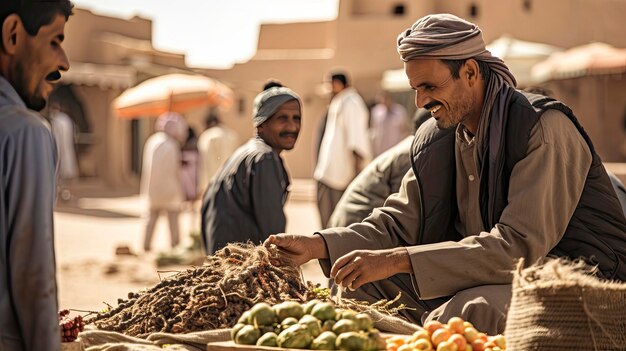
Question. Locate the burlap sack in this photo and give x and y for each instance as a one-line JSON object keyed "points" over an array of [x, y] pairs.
{"points": [[560, 305]]}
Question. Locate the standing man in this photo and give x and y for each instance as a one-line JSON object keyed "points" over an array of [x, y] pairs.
{"points": [[161, 175], [215, 146], [246, 197], [345, 147], [496, 175], [389, 123], [31, 57]]}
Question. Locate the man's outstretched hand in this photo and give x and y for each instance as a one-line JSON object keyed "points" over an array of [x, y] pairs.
{"points": [[298, 249]]}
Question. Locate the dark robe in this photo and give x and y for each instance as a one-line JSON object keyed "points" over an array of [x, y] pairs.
{"points": [[244, 201]]}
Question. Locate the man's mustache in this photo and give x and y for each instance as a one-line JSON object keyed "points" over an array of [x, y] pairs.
{"points": [[287, 134], [56, 75]]}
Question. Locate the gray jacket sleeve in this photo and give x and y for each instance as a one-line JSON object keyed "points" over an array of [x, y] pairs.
{"points": [[30, 163]]}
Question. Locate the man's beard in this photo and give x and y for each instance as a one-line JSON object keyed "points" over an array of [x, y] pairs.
{"points": [[33, 102]]}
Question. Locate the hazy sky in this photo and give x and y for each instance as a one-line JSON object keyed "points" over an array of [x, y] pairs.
{"points": [[212, 33]]}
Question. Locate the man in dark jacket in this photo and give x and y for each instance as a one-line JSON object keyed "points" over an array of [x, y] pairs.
{"points": [[245, 200], [497, 175], [31, 57]]}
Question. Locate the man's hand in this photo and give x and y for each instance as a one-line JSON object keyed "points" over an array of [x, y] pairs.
{"points": [[298, 249], [360, 267]]}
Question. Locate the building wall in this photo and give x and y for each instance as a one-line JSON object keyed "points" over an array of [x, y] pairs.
{"points": [[564, 23], [307, 35], [85, 28], [599, 103]]}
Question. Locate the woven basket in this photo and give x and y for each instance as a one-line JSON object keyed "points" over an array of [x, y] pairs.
{"points": [[561, 305]]}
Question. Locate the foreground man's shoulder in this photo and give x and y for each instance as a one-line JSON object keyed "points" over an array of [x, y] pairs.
{"points": [[17, 118]]}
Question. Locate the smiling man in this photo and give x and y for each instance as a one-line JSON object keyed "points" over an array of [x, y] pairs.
{"points": [[245, 199], [496, 175], [31, 58]]}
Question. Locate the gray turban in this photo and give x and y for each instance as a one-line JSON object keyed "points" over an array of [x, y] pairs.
{"points": [[268, 101], [447, 37]]}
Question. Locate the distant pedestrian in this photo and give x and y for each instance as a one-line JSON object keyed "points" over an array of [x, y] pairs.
{"points": [[245, 200], [62, 128], [161, 175], [389, 124], [215, 145], [189, 165], [31, 58], [345, 148]]}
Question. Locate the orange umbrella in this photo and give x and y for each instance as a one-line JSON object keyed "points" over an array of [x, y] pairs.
{"points": [[172, 92]]}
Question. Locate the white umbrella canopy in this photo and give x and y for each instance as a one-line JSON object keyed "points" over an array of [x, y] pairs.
{"points": [[588, 59], [172, 93], [520, 56]]}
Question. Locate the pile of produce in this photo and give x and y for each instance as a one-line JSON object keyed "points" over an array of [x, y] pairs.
{"points": [[208, 297], [70, 327], [315, 325], [456, 335]]}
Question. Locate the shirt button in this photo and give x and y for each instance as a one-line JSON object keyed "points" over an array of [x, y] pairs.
{"points": [[471, 177]]}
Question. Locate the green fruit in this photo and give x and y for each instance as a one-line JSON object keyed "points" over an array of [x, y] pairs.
{"points": [[289, 321], [348, 314], [328, 325], [364, 321], [245, 318], [324, 311], [268, 339], [325, 341], [267, 328], [344, 326], [338, 312], [351, 341], [312, 323], [288, 309], [296, 336], [262, 314], [378, 342], [248, 335], [370, 345], [236, 329], [308, 306]]}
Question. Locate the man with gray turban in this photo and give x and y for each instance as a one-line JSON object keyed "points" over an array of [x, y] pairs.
{"points": [[496, 175], [244, 201]]}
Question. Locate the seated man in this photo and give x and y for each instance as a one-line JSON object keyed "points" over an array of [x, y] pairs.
{"points": [[496, 175], [246, 197], [381, 178]]}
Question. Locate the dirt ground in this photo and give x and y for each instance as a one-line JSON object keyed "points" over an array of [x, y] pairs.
{"points": [[96, 221]]}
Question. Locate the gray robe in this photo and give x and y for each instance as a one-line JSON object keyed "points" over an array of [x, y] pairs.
{"points": [[28, 292], [245, 199]]}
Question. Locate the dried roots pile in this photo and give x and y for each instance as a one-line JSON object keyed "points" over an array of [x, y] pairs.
{"points": [[208, 297]]}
